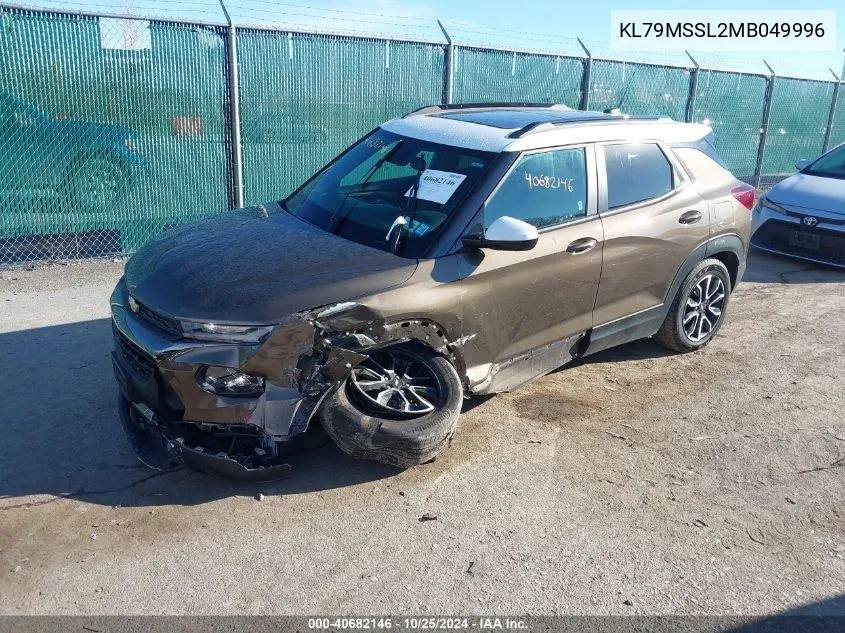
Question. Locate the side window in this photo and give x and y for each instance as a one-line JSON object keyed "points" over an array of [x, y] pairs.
{"points": [[636, 173], [543, 189]]}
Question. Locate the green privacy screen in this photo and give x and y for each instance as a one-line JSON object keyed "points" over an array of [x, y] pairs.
{"points": [[305, 98], [800, 109], [837, 134], [113, 130], [110, 130], [485, 75], [732, 104], [639, 88]]}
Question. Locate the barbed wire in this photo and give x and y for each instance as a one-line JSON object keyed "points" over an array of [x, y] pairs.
{"points": [[361, 23]]}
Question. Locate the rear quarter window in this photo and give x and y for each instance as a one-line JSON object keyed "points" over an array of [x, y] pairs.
{"points": [[706, 147], [636, 172]]}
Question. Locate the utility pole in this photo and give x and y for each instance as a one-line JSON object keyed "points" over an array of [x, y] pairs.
{"points": [[831, 116], [586, 77], [693, 88], [764, 125], [236, 161], [449, 78]]}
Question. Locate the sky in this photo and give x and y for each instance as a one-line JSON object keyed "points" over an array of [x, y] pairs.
{"points": [[527, 24]]}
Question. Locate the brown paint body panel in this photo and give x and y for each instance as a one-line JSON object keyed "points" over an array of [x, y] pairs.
{"points": [[516, 301], [643, 249]]}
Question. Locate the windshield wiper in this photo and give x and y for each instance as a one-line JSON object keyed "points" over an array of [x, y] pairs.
{"points": [[417, 163], [338, 218]]}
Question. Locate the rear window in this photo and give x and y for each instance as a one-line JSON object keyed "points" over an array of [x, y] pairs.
{"points": [[705, 146], [636, 173]]}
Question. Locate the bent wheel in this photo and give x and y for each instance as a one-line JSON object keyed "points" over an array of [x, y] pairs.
{"points": [[399, 407]]}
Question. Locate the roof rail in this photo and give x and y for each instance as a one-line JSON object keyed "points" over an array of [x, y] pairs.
{"points": [[445, 107], [540, 126]]}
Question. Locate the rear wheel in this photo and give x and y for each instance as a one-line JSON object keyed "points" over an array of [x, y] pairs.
{"points": [[400, 407], [699, 308]]}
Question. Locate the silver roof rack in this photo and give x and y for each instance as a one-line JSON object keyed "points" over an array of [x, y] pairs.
{"points": [[447, 107]]}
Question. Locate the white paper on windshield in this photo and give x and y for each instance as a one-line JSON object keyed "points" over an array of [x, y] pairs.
{"points": [[437, 186]]}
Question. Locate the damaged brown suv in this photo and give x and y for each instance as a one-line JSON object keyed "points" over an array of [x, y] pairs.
{"points": [[456, 251]]}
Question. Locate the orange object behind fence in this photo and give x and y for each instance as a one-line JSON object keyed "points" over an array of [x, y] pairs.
{"points": [[186, 125]]}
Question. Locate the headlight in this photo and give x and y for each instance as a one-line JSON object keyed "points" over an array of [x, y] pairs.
{"points": [[224, 333], [765, 202], [225, 381]]}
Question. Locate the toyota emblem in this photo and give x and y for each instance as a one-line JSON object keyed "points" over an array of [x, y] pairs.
{"points": [[810, 220]]}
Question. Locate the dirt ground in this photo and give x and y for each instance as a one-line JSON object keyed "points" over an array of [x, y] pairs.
{"points": [[637, 482]]}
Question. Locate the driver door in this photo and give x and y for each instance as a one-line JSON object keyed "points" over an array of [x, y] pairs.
{"points": [[524, 311]]}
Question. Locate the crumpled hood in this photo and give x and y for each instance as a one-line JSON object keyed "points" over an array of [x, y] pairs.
{"points": [[810, 192], [253, 267]]}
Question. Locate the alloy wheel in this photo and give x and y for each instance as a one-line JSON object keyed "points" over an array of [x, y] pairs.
{"points": [[394, 383], [704, 307]]}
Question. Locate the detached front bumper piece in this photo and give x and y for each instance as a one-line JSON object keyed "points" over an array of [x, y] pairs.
{"points": [[159, 452], [170, 418]]}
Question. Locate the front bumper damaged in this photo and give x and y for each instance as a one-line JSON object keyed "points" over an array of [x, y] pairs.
{"points": [[170, 419]]}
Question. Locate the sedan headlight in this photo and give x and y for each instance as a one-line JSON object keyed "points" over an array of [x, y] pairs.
{"points": [[225, 333], [226, 381], [768, 204]]}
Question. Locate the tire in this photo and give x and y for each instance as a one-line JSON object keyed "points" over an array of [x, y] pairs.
{"points": [[674, 334], [96, 183], [366, 432]]}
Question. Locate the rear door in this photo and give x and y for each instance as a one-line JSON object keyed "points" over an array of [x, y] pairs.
{"points": [[518, 301], [653, 218]]}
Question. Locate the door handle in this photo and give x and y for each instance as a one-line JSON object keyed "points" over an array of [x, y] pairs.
{"points": [[690, 217], [581, 245]]}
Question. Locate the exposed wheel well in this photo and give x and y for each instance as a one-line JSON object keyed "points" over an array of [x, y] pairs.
{"points": [[731, 262]]}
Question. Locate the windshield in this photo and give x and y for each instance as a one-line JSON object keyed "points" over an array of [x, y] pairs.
{"points": [[361, 194], [830, 165]]}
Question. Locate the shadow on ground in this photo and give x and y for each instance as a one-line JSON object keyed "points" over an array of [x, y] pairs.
{"points": [[825, 616], [62, 436], [768, 268]]}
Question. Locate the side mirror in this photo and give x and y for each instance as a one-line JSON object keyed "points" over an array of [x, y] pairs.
{"points": [[506, 234], [801, 164]]}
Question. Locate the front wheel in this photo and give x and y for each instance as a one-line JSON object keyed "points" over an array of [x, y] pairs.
{"points": [[399, 407], [699, 308]]}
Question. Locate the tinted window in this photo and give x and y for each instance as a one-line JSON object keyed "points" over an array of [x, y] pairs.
{"points": [[636, 173], [831, 165], [543, 189]]}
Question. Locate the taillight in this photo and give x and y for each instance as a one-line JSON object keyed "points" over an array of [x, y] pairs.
{"points": [[745, 194]]}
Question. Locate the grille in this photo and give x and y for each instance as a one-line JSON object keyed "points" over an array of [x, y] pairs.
{"points": [[159, 320], [142, 364], [775, 235], [826, 219]]}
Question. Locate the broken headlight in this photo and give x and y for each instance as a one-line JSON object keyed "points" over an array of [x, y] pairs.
{"points": [[224, 333], [226, 381]]}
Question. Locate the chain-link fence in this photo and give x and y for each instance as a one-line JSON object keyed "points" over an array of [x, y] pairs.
{"points": [[114, 129]]}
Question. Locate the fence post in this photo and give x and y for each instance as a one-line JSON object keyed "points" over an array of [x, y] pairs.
{"points": [[235, 154], [693, 87], [449, 77], [764, 126], [586, 78], [832, 114]]}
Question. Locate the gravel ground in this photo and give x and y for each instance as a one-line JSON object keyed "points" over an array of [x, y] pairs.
{"points": [[637, 482]]}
